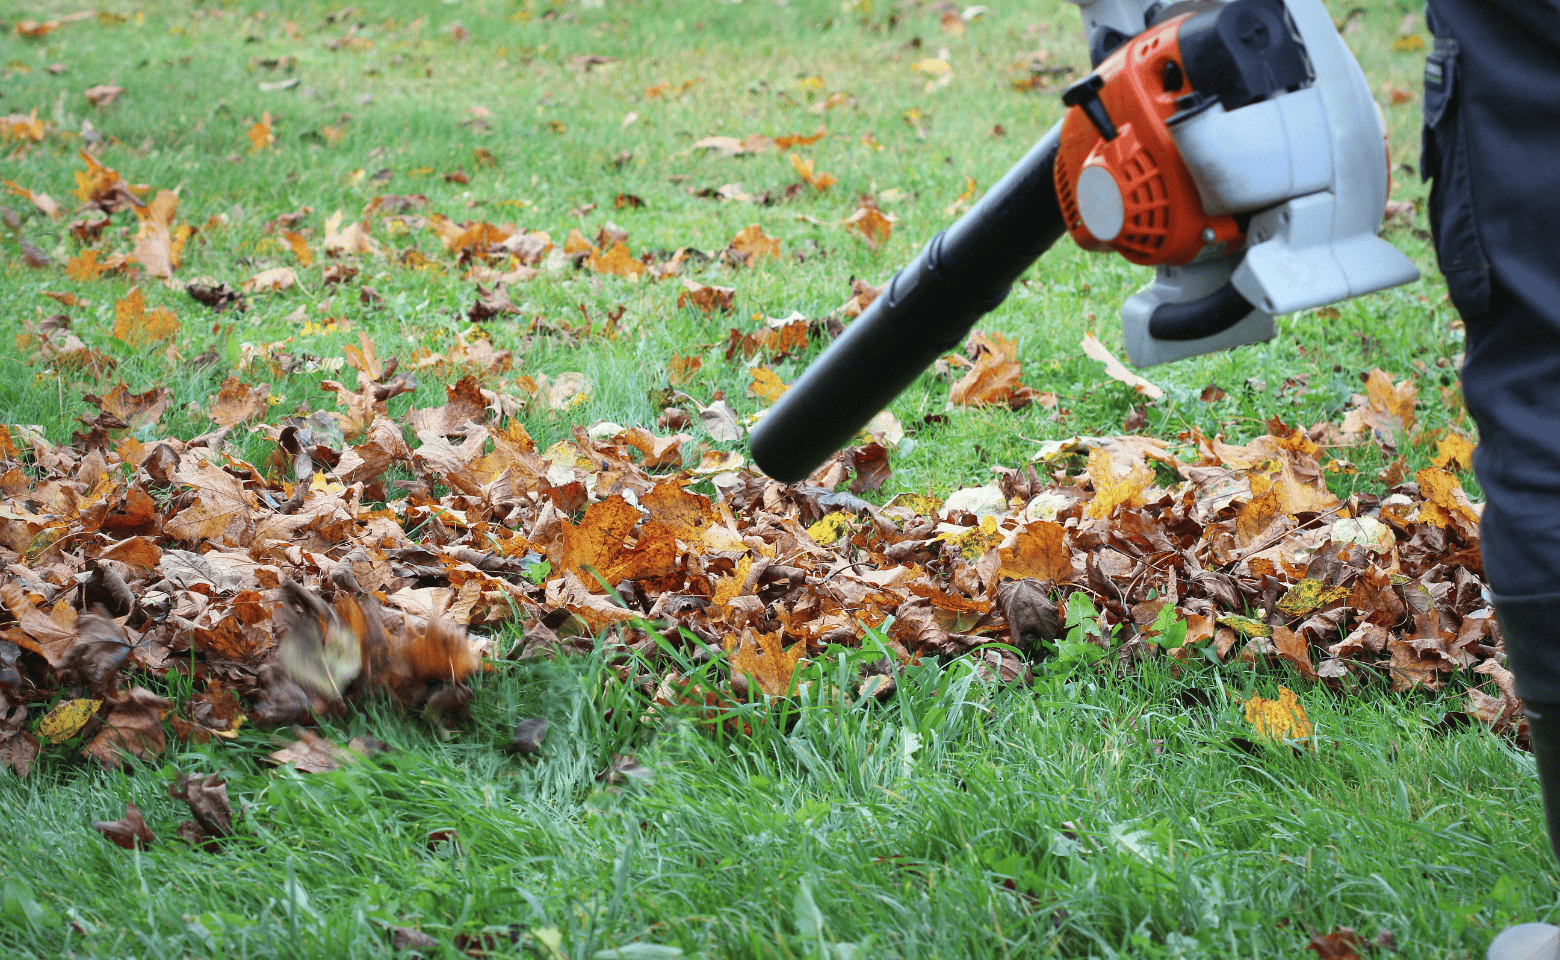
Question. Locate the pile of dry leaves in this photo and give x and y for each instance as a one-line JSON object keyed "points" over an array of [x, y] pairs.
{"points": [[355, 561]]}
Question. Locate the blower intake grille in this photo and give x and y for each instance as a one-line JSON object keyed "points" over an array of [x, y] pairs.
{"points": [[1147, 224]]}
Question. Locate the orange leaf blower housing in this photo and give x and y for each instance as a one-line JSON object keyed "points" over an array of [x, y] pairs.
{"points": [[1120, 181]]}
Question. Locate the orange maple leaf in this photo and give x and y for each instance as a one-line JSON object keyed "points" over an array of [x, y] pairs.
{"points": [[760, 657], [766, 384], [994, 376], [1454, 450], [260, 135], [751, 244], [1039, 552], [134, 325], [617, 261], [870, 223], [804, 169], [84, 266]]}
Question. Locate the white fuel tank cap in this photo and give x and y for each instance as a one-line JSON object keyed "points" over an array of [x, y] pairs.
{"points": [[1100, 203]]}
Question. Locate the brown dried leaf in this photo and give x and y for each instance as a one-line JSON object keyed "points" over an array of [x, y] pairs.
{"points": [[133, 725], [129, 831], [994, 377], [1117, 370], [750, 244], [237, 402], [870, 223]]}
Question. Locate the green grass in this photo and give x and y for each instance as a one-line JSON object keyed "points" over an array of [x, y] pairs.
{"points": [[402, 105], [1088, 816], [934, 826]]}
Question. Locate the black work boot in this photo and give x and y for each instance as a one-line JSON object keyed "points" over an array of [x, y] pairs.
{"points": [[1529, 624], [1538, 941]]}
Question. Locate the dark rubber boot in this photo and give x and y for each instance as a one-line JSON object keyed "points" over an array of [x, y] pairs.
{"points": [[1544, 731], [1539, 941], [1531, 626]]}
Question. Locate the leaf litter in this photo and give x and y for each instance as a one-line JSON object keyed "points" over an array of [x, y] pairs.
{"points": [[294, 590]]}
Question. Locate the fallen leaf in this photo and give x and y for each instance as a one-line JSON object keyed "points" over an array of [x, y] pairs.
{"points": [[1278, 720], [1116, 370], [1113, 488], [129, 831], [1341, 944], [66, 719], [1454, 451], [158, 246], [269, 281], [804, 169], [707, 299], [137, 326], [1038, 551], [104, 95], [260, 135], [721, 422], [617, 261], [312, 753], [208, 802], [750, 244], [870, 223], [994, 376], [133, 726], [760, 658], [237, 402]]}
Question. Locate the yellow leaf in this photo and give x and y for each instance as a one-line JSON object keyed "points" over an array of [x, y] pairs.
{"points": [[919, 502], [973, 543], [1245, 626], [1113, 489], [830, 528], [766, 384], [67, 719], [260, 135], [1309, 595], [1454, 449], [1278, 720], [1445, 502]]}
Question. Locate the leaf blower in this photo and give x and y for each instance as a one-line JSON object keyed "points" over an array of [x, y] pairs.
{"points": [[1233, 146]]}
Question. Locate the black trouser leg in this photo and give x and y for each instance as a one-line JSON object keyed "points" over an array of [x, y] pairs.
{"points": [[1544, 731], [1531, 625]]}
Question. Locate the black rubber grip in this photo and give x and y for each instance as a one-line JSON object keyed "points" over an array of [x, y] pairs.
{"points": [[923, 312], [1204, 317]]}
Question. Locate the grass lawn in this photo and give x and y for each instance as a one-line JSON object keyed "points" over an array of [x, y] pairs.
{"points": [[1094, 812]]}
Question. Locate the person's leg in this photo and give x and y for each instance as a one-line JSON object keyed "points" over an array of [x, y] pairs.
{"points": [[1492, 136]]}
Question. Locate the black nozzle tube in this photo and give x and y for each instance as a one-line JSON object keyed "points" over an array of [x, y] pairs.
{"points": [[1203, 317], [923, 312]]}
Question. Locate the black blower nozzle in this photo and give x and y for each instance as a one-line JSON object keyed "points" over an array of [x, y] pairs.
{"points": [[925, 310]]}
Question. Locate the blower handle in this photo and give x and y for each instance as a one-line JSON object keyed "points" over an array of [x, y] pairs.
{"points": [[1203, 317], [962, 274]]}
